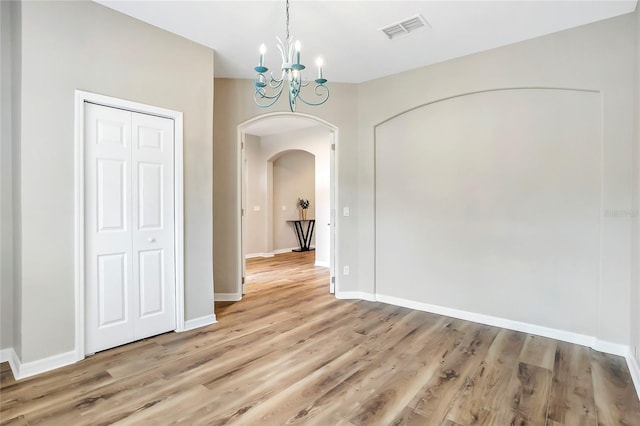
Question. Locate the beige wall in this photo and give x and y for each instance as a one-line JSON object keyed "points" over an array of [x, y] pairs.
{"points": [[233, 106], [260, 153], [6, 182], [16, 168], [596, 57], [490, 203], [83, 45], [635, 292], [255, 235], [11, 76], [317, 141], [294, 176]]}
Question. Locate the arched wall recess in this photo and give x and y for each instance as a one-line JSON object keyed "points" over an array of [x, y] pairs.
{"points": [[485, 192]]}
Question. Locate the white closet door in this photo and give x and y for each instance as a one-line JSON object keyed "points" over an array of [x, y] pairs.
{"points": [[129, 239], [152, 214]]}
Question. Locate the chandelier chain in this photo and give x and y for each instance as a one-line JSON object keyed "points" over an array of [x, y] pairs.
{"points": [[287, 10]]}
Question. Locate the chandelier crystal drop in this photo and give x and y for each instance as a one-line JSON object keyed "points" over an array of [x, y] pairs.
{"points": [[269, 88]]}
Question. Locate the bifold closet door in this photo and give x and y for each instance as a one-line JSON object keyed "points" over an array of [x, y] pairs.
{"points": [[129, 226]]}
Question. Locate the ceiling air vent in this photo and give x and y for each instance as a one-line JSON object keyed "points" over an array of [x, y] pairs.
{"points": [[405, 27]]}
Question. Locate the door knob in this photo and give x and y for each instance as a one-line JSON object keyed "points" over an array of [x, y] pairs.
{"points": [[151, 240]]}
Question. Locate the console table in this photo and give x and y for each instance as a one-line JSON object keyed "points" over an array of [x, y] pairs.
{"points": [[304, 235]]}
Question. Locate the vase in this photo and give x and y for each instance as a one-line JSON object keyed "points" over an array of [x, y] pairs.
{"points": [[303, 214]]}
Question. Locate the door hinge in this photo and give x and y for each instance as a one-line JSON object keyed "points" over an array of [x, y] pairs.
{"points": [[333, 147], [241, 145], [333, 280], [242, 280]]}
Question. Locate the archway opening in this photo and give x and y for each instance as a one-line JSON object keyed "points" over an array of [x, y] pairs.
{"points": [[284, 157]]}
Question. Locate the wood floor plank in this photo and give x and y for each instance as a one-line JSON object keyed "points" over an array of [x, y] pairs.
{"points": [[254, 390], [528, 396], [616, 403], [436, 397], [165, 410], [539, 351], [572, 400], [94, 407], [291, 353], [51, 390], [14, 421], [343, 401], [285, 404], [408, 417], [393, 396], [487, 388]]}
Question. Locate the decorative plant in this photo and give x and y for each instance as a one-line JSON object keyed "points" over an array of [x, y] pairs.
{"points": [[304, 204]]}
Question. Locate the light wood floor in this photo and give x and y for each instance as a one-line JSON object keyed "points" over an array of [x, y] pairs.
{"points": [[290, 353]]}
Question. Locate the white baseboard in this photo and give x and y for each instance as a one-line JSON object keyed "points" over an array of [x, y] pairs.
{"points": [[273, 253], [323, 264], [227, 297], [200, 322], [524, 327], [553, 333], [22, 370], [355, 295], [634, 369], [253, 255], [285, 250], [609, 347]]}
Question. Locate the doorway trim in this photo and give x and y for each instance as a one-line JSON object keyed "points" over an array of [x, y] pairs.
{"points": [[334, 231], [80, 98]]}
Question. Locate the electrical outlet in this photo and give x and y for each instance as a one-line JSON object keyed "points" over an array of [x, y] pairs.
{"points": [[345, 270]]}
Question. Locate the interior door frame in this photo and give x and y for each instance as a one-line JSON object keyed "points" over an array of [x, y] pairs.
{"points": [[333, 198], [81, 97]]}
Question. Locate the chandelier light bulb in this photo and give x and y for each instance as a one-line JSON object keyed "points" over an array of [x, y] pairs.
{"points": [[297, 47], [319, 63], [263, 49]]}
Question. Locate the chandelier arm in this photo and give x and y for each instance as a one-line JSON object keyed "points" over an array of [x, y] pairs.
{"points": [[281, 47], [274, 83], [260, 95], [318, 90], [262, 91]]}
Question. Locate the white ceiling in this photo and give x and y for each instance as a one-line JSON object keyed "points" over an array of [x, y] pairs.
{"points": [[345, 33]]}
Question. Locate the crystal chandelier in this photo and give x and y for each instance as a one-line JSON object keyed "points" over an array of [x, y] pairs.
{"points": [[291, 76]]}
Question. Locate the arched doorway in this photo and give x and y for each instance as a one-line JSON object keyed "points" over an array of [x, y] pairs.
{"points": [[327, 223]]}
